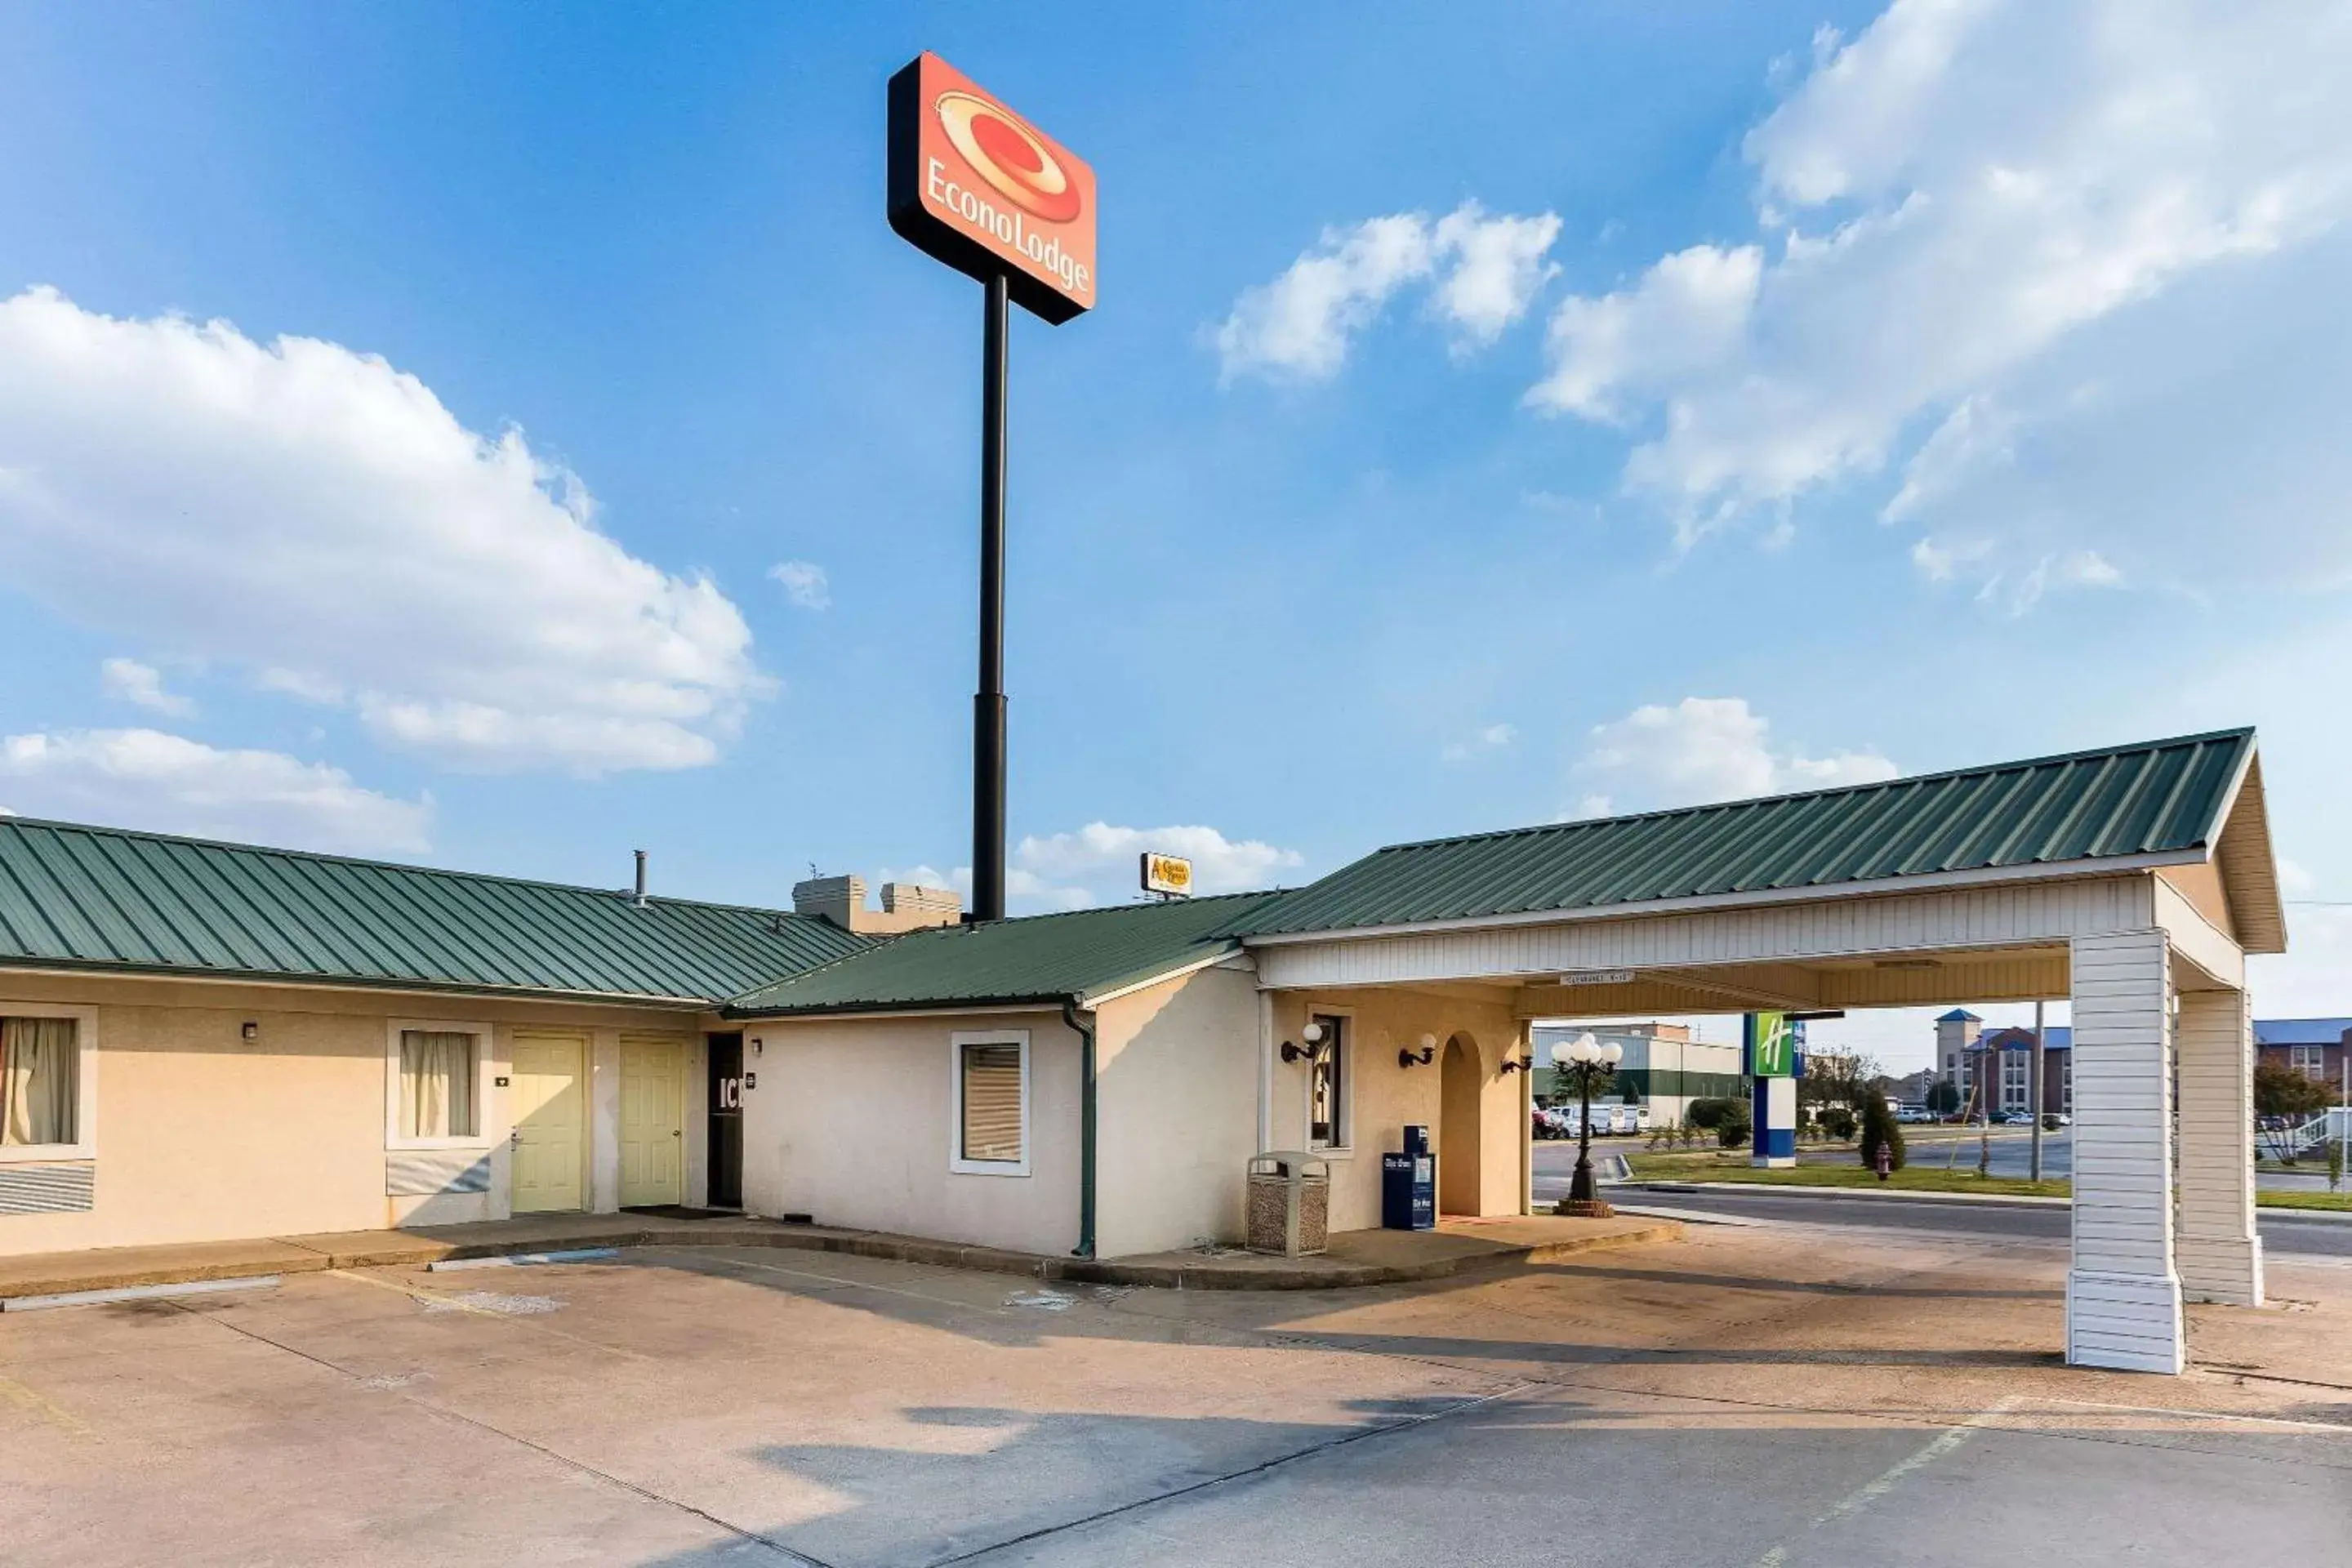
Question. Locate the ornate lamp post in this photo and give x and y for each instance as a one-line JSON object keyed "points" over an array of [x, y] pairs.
{"points": [[1588, 1062]]}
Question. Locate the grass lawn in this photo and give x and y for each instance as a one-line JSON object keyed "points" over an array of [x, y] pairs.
{"points": [[1708, 1166]]}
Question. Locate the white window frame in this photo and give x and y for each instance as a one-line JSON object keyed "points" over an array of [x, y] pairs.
{"points": [[2310, 1060], [85, 1143], [957, 1163], [484, 1119], [1344, 1145]]}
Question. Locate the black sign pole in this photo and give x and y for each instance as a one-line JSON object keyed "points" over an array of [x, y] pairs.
{"points": [[988, 703]]}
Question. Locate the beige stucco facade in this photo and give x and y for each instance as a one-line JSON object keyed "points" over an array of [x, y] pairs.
{"points": [[851, 1119], [192, 1132], [1384, 1096]]}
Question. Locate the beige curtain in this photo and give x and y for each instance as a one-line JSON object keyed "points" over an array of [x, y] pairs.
{"points": [[436, 1084], [40, 1073], [991, 1102]]}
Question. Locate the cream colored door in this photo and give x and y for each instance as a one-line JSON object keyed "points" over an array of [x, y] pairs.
{"points": [[653, 1122], [551, 1101]]}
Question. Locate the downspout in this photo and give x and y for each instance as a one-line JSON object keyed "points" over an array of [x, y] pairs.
{"points": [[1071, 1013]]}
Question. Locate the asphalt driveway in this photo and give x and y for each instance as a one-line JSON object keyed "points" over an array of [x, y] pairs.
{"points": [[1764, 1396]]}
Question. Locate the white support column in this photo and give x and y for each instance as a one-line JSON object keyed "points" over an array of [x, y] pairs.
{"points": [[2122, 1295], [2220, 1253]]}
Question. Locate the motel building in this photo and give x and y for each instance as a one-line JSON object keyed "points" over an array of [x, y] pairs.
{"points": [[202, 1041]]}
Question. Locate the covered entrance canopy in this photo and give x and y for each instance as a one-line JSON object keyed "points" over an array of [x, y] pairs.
{"points": [[2133, 880]]}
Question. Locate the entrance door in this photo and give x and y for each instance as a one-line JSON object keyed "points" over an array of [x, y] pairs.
{"points": [[1458, 1086], [550, 1109], [726, 1122], [653, 1122]]}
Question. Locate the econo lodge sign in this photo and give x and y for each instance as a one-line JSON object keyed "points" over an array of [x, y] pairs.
{"points": [[975, 185]]}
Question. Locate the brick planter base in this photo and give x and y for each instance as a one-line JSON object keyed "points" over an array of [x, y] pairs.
{"points": [[1583, 1208]]}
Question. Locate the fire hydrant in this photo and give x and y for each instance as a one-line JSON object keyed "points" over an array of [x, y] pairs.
{"points": [[1885, 1161]]}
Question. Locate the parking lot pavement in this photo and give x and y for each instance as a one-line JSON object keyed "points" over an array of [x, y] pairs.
{"points": [[1718, 1401]]}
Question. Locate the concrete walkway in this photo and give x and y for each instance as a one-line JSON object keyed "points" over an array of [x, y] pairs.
{"points": [[1357, 1257]]}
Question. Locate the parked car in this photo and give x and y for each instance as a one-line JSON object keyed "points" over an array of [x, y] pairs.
{"points": [[1914, 1113]]}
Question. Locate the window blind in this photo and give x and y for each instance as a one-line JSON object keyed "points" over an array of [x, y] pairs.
{"points": [[991, 1102]]}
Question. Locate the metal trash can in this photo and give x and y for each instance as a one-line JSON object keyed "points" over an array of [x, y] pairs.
{"points": [[1290, 1203]]}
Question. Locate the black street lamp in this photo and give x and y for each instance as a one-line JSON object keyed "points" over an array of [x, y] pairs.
{"points": [[1588, 1062]]}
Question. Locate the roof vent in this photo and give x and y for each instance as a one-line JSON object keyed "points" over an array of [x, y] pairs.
{"points": [[641, 880]]}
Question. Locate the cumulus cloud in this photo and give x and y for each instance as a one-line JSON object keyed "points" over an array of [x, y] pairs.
{"points": [[1484, 271], [2040, 261], [315, 516], [142, 684], [805, 583], [1098, 864], [144, 778], [1700, 750]]}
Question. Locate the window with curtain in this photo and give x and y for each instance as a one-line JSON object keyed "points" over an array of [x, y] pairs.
{"points": [[989, 1100], [436, 1084], [40, 1074]]}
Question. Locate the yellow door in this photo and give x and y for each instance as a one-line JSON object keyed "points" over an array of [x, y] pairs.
{"points": [[550, 1098], [653, 1122]]}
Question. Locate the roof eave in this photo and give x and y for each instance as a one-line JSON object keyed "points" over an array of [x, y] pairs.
{"points": [[84, 968]]}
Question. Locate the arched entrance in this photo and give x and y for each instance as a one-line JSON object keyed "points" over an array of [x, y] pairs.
{"points": [[1460, 1082]]}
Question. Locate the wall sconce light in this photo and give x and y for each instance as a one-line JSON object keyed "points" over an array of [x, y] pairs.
{"points": [[1519, 1064], [759, 1047], [1311, 1051], [1423, 1058], [249, 1032]]}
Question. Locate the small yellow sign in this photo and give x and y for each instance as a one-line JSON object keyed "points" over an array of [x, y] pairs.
{"points": [[1167, 874]]}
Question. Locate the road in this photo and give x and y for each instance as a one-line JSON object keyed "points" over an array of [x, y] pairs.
{"points": [[2283, 1233]]}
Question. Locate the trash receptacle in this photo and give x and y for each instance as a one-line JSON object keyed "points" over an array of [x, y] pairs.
{"points": [[1409, 1185], [1290, 1203]]}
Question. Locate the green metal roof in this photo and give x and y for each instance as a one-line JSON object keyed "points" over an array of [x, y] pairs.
{"points": [[2158, 798], [1036, 958], [107, 899]]}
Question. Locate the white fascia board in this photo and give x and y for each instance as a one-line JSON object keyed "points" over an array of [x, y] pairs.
{"points": [[1929, 883]]}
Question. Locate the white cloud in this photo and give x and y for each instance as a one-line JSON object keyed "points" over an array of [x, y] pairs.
{"points": [[1491, 738], [805, 583], [320, 519], [144, 778], [142, 684], [1485, 271], [2051, 260], [1703, 749], [1499, 264], [1102, 857]]}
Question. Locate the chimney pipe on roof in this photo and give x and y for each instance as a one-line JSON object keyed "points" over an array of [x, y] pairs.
{"points": [[641, 880]]}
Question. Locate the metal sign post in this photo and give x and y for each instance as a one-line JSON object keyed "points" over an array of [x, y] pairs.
{"points": [[988, 746]]}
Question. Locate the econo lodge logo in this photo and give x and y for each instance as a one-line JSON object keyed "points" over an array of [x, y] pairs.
{"points": [[1008, 156], [984, 190]]}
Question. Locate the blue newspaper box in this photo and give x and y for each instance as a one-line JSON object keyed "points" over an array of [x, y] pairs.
{"points": [[1409, 1185]]}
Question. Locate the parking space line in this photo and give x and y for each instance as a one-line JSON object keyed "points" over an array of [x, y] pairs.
{"points": [[458, 1304], [40, 1404], [1870, 1491]]}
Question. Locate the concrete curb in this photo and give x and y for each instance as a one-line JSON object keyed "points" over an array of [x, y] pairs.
{"points": [[1988, 1199], [97, 1270]]}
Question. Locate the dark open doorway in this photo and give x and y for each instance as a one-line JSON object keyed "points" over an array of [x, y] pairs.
{"points": [[726, 1122]]}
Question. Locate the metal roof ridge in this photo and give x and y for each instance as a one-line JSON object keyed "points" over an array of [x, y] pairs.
{"points": [[17, 819], [2243, 732]]}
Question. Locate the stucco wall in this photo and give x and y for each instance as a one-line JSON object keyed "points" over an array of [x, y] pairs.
{"points": [[201, 1136], [1384, 1097], [848, 1123], [1176, 1111]]}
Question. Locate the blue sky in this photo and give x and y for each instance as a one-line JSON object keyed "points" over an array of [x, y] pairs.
{"points": [[1805, 393]]}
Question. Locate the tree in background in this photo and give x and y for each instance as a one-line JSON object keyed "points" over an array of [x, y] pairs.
{"points": [[1879, 1129], [2280, 1092], [1944, 1098]]}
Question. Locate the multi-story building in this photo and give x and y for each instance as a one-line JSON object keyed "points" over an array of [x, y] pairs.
{"points": [[1664, 1067], [2316, 1048]]}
